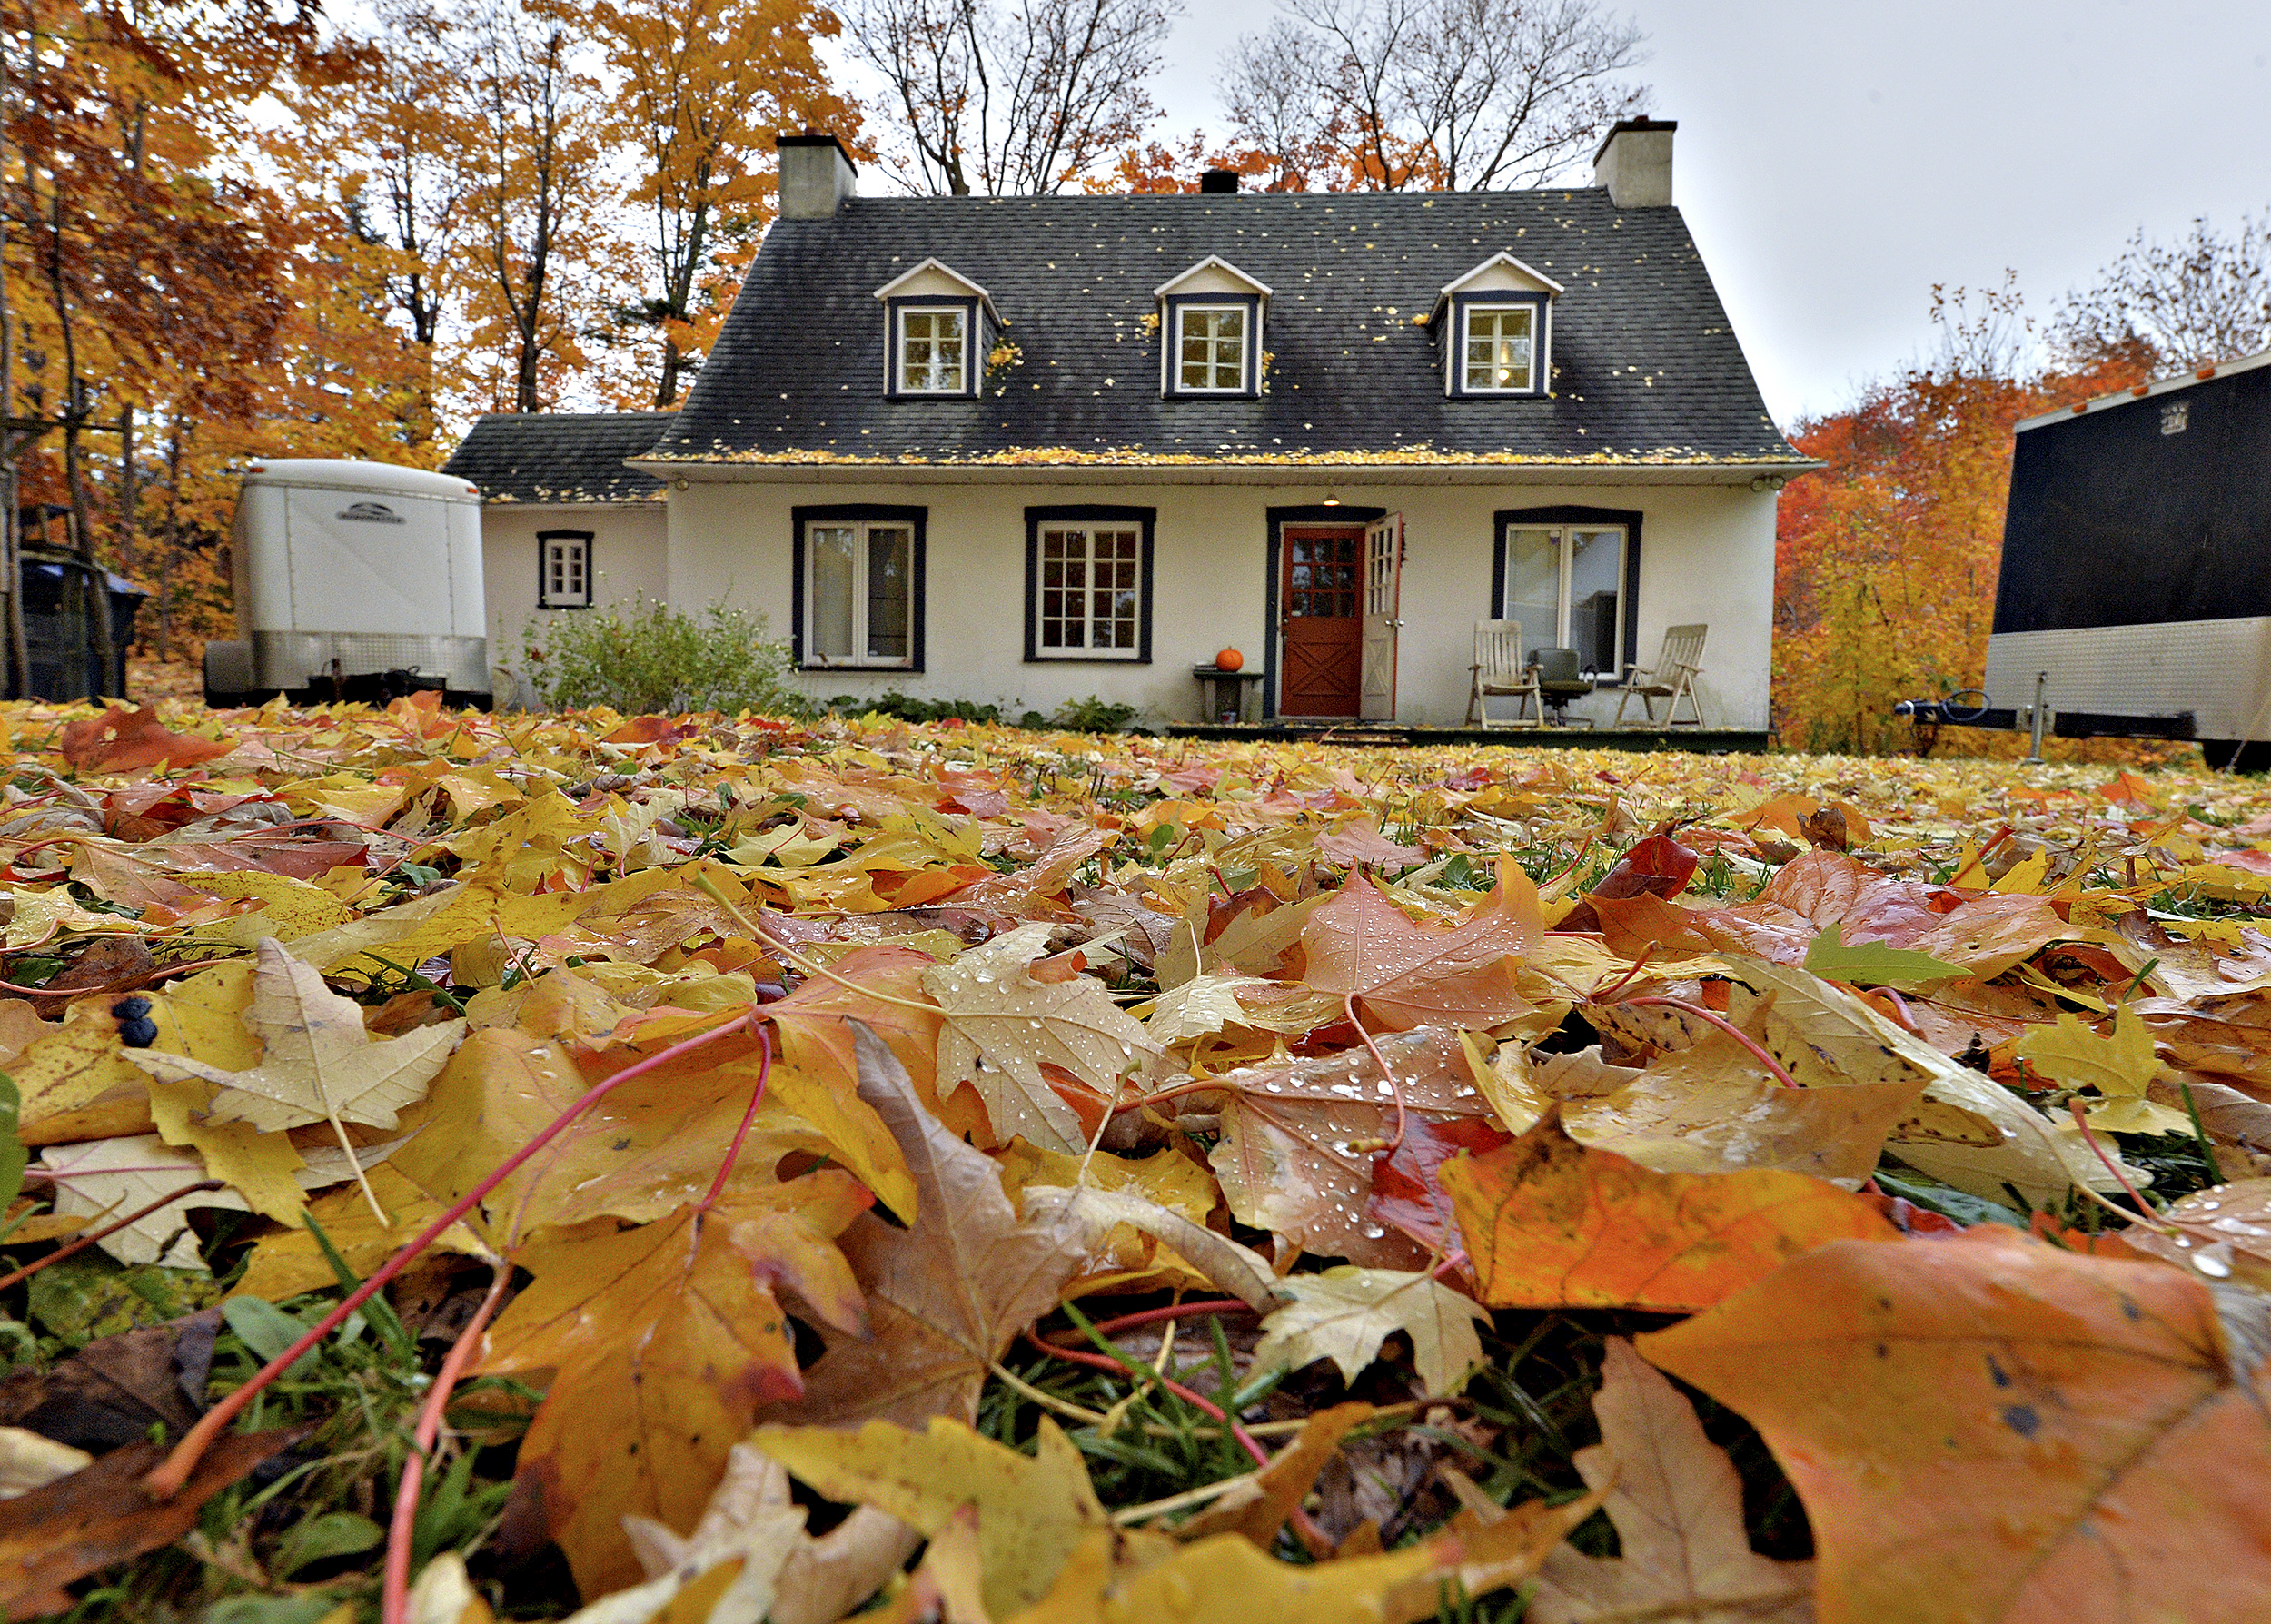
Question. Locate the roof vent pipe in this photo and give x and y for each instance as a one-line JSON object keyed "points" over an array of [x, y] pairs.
{"points": [[816, 175], [1635, 163], [1218, 180]]}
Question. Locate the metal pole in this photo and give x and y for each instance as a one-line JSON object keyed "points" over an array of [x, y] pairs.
{"points": [[2039, 721]]}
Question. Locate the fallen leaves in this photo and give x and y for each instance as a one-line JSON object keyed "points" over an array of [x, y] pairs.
{"points": [[1236, 1039], [1988, 1427]]}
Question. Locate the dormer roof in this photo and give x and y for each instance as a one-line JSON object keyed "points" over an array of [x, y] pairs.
{"points": [[934, 278], [1500, 273], [1213, 275]]}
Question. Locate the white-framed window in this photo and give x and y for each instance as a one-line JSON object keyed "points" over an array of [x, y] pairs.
{"points": [[563, 569], [1565, 584], [859, 592], [1498, 349], [1087, 583], [1211, 348], [932, 349]]}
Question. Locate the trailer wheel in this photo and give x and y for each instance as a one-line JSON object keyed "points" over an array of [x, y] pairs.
{"points": [[2254, 758]]}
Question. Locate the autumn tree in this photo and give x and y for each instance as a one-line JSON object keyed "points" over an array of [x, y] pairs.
{"points": [[1006, 97], [703, 87], [1445, 94], [2204, 298], [537, 233], [1887, 558]]}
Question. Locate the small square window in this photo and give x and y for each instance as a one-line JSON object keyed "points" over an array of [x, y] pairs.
{"points": [[1499, 350], [934, 349], [1211, 348], [563, 566]]}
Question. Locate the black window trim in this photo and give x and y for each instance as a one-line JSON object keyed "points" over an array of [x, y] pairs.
{"points": [[1062, 513], [1507, 519], [591, 575], [873, 512], [1170, 346], [1455, 344], [976, 340], [1273, 611]]}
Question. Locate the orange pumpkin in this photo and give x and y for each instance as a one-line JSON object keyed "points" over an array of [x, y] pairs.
{"points": [[1230, 659]]}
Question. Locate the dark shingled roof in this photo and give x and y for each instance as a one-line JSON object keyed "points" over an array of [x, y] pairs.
{"points": [[1646, 368], [542, 456]]}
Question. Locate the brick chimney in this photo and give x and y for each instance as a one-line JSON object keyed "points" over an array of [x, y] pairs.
{"points": [[1635, 163], [816, 175]]}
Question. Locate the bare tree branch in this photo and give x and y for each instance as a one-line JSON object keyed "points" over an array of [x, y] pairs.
{"points": [[2204, 298], [1009, 96], [1456, 95]]}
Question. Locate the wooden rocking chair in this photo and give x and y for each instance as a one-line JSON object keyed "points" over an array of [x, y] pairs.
{"points": [[1678, 664], [1500, 672]]}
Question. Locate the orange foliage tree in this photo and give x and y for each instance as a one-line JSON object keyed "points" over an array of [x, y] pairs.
{"points": [[1885, 559]]}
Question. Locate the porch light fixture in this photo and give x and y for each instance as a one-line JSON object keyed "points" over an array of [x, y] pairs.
{"points": [[1332, 500]]}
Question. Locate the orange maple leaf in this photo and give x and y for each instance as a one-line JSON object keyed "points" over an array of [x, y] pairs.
{"points": [[1550, 1224], [1988, 1427], [131, 741]]}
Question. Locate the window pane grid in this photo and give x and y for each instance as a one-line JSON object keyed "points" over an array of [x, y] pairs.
{"points": [[565, 574], [1567, 588], [1091, 592], [1499, 344], [1211, 354], [931, 352]]}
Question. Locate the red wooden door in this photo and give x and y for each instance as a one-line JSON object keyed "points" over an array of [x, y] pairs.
{"points": [[1325, 627]]}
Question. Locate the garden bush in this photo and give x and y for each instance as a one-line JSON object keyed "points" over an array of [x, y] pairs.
{"points": [[650, 659]]}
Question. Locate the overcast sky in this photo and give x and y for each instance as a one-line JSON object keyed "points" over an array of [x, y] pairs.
{"points": [[1836, 158]]}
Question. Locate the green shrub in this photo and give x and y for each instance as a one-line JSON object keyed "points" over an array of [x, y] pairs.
{"points": [[653, 660], [909, 708], [1091, 715]]}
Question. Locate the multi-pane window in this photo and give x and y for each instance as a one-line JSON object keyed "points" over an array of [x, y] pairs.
{"points": [[563, 561], [1320, 577], [1565, 584], [1211, 348], [858, 593], [1500, 348], [1089, 600], [934, 350]]}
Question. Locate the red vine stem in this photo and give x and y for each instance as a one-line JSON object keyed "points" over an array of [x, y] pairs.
{"points": [[1622, 982], [1246, 1441], [165, 1480], [741, 1133], [1173, 1311], [83, 1241], [1395, 1089], [394, 1587], [1724, 1024], [2081, 1121]]}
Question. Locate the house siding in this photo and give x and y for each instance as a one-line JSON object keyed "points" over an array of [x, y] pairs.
{"points": [[1706, 554], [630, 546]]}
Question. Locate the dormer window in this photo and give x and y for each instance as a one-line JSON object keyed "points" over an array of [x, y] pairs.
{"points": [[939, 326], [1500, 348], [1210, 320], [1496, 325], [1210, 349], [934, 349]]}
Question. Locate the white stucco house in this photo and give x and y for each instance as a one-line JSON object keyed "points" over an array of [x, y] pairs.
{"points": [[1028, 450]]}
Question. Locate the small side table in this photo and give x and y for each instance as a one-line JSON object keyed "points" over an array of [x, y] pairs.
{"points": [[1226, 696]]}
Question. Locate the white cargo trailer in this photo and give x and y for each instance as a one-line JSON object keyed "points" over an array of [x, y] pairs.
{"points": [[354, 580]]}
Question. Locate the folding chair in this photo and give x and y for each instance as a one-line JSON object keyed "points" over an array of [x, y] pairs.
{"points": [[1500, 672], [1678, 664]]}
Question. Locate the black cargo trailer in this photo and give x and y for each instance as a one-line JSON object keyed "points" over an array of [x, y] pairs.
{"points": [[2136, 583]]}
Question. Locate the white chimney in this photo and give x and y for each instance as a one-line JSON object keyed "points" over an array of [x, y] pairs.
{"points": [[816, 175], [1635, 163]]}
